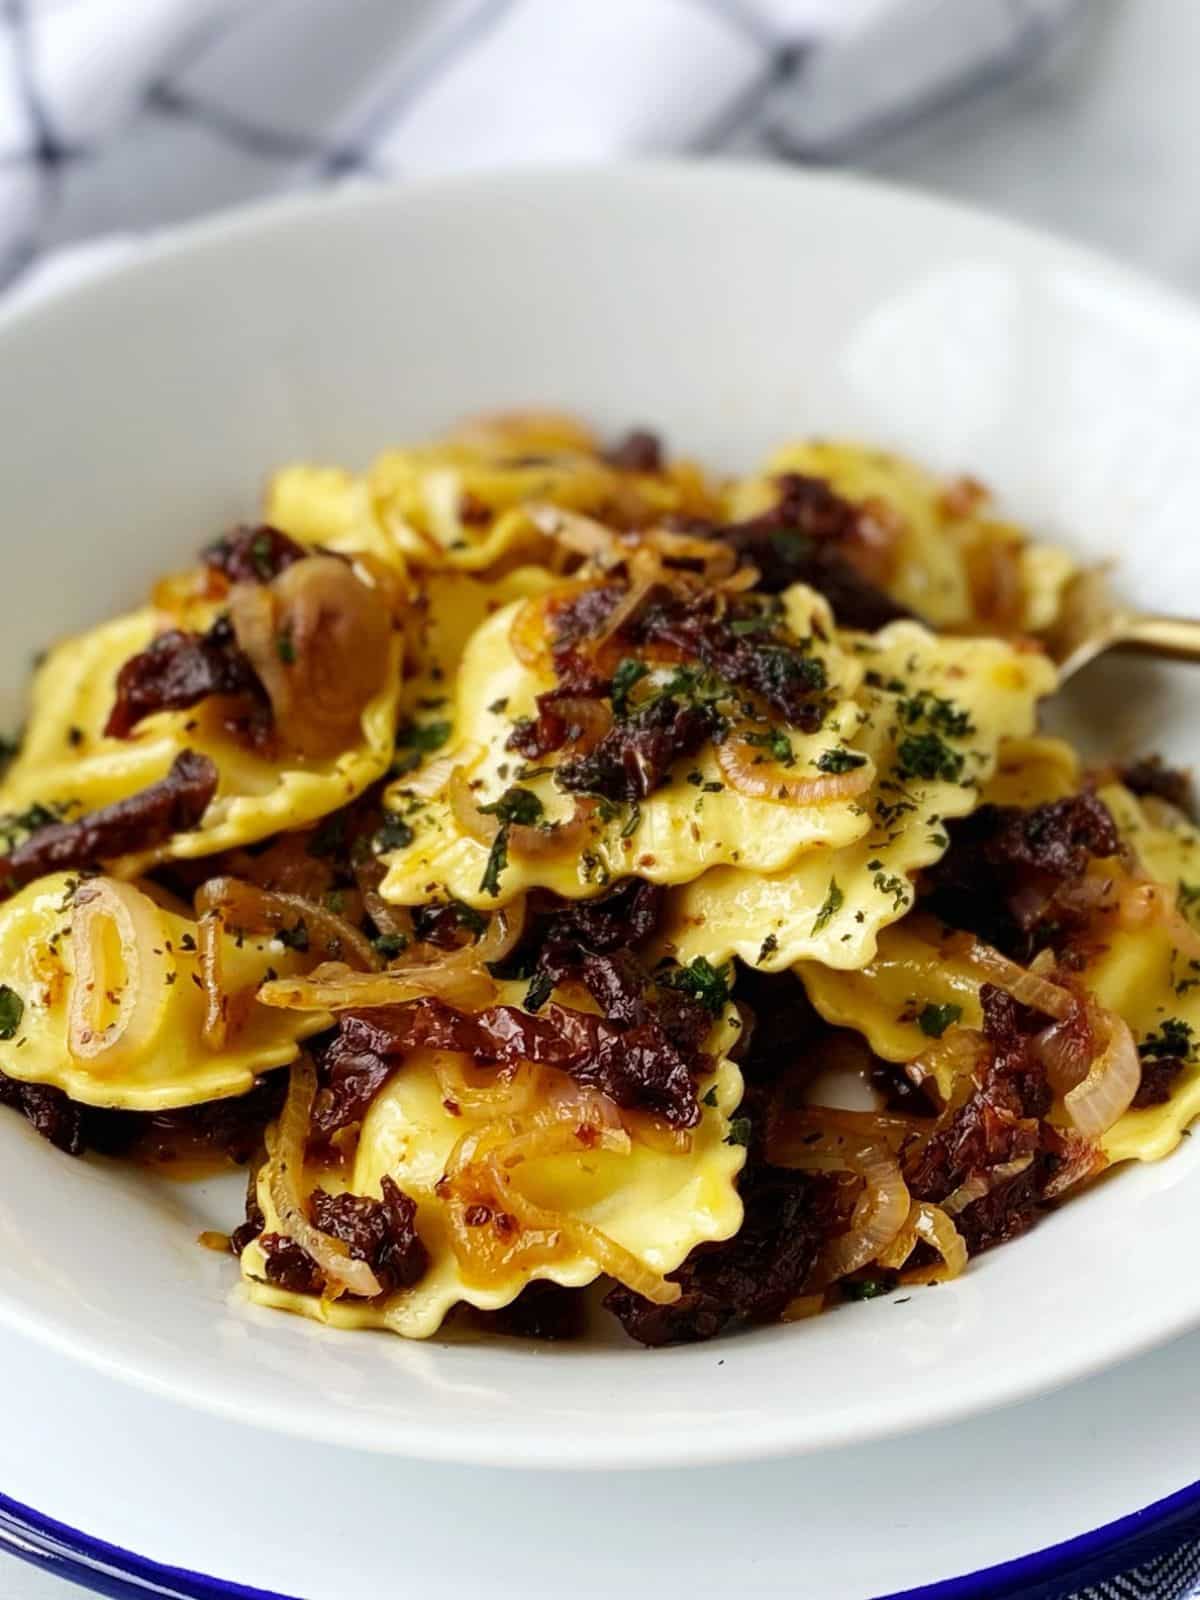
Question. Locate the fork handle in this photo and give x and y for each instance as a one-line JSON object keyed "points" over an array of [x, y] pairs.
{"points": [[1172, 638]]}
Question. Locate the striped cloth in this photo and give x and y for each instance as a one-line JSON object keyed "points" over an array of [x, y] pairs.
{"points": [[122, 116], [119, 116]]}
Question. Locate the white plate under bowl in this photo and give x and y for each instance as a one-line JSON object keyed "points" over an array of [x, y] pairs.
{"points": [[734, 308]]}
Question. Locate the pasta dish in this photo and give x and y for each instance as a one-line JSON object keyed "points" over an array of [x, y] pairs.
{"points": [[575, 886]]}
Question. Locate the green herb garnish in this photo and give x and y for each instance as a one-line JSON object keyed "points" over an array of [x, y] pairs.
{"points": [[12, 1009], [830, 906], [630, 671], [934, 1019], [711, 986], [840, 760]]}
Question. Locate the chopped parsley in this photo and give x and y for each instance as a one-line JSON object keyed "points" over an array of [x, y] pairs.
{"points": [[711, 986], [1173, 1039], [740, 1131], [940, 714], [499, 706], [831, 905], [260, 555], [1189, 897], [928, 756], [416, 740], [630, 671], [889, 883], [776, 743], [14, 824], [389, 945], [12, 1009], [768, 947], [863, 1288], [934, 1019], [393, 833], [496, 862], [517, 805], [840, 760], [285, 647], [710, 1099], [630, 826]]}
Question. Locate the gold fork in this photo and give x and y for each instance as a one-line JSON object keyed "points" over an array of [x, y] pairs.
{"points": [[1091, 622]]}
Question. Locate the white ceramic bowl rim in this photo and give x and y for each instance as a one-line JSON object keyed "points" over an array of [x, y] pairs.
{"points": [[746, 1397]]}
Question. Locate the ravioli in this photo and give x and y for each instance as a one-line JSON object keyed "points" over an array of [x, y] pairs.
{"points": [[830, 905], [174, 1067], [66, 761], [948, 548], [468, 503], [694, 822], [657, 1203], [1138, 974]]}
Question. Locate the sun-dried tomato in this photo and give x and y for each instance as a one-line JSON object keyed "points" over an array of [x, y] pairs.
{"points": [[175, 804]]}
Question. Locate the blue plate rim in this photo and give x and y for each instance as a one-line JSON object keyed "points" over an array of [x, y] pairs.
{"points": [[103, 1568]]}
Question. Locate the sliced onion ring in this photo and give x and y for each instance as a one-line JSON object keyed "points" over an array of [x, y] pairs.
{"points": [[134, 987], [744, 770], [881, 1209], [285, 1168], [268, 910], [1112, 1081], [1024, 986], [930, 1223], [333, 986]]}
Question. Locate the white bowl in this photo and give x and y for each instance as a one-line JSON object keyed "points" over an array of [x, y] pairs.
{"points": [[733, 308]]}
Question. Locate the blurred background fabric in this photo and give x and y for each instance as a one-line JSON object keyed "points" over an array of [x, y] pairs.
{"points": [[122, 116]]}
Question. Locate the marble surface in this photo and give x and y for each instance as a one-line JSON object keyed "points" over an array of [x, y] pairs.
{"points": [[1100, 146]]}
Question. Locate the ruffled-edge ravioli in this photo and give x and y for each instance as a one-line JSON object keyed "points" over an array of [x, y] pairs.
{"points": [[937, 530], [176, 1068], [66, 760], [682, 829], [659, 1205], [831, 905], [466, 505], [1138, 975]]}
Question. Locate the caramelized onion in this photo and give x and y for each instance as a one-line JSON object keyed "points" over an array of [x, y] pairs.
{"points": [[980, 1184], [947, 1059], [930, 1223], [333, 986], [1112, 1081], [881, 1209], [526, 840], [1065, 1051], [529, 634], [1144, 903], [715, 558], [122, 974], [429, 780], [285, 1171], [256, 910], [745, 770], [479, 1174], [1079, 1160], [319, 640], [474, 1090], [584, 536], [1024, 986]]}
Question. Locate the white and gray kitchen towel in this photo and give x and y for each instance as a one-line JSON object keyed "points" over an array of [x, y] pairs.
{"points": [[119, 117], [122, 116]]}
